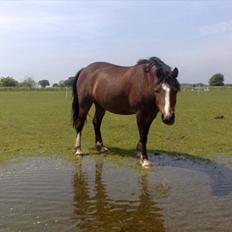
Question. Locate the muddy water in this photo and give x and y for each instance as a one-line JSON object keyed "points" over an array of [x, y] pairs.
{"points": [[100, 193]]}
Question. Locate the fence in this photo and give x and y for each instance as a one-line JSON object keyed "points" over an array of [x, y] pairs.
{"points": [[205, 88]]}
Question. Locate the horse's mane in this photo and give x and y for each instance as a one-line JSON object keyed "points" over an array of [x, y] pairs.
{"points": [[164, 70], [157, 62]]}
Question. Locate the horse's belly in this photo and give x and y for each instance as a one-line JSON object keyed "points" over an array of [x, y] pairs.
{"points": [[120, 111], [116, 105]]}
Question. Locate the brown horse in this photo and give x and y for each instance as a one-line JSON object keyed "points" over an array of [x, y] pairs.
{"points": [[144, 89]]}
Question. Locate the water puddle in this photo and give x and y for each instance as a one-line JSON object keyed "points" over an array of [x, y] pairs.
{"points": [[100, 193]]}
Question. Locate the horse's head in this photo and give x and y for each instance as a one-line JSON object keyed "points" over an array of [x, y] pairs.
{"points": [[166, 87]]}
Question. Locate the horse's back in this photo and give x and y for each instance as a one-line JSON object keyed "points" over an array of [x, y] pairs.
{"points": [[110, 86], [106, 73], [103, 64]]}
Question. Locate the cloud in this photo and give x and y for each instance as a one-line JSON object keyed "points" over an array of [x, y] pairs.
{"points": [[74, 19], [216, 28], [51, 26]]}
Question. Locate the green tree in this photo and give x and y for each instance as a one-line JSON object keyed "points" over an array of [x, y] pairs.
{"points": [[55, 85], [61, 84], [28, 82], [44, 83], [8, 82], [216, 80], [68, 82]]}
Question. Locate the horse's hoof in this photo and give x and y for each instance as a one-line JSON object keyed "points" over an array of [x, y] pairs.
{"points": [[145, 163], [100, 148], [104, 149], [78, 152]]}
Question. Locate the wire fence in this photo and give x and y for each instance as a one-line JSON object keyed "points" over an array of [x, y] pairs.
{"points": [[35, 89], [67, 89], [205, 88]]}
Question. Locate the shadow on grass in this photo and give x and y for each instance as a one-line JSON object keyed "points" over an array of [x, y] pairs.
{"points": [[220, 175], [123, 152]]}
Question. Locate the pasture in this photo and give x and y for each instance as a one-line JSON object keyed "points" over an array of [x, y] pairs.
{"points": [[47, 189], [39, 123]]}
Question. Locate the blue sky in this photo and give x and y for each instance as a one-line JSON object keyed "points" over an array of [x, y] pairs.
{"points": [[54, 39]]}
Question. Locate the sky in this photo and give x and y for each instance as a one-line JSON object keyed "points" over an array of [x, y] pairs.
{"points": [[54, 39]]}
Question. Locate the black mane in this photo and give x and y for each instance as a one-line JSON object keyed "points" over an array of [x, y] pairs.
{"points": [[157, 62], [164, 70]]}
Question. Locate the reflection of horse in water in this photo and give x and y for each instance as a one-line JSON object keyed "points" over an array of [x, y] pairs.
{"points": [[96, 211], [148, 87]]}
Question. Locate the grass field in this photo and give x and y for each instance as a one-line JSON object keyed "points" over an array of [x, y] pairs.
{"points": [[39, 122]]}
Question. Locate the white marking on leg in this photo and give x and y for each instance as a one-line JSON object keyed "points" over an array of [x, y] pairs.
{"points": [[98, 144], [166, 88], [78, 141], [78, 152], [145, 163], [78, 145]]}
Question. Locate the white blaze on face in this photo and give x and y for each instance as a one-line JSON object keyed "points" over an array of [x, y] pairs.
{"points": [[166, 89]]}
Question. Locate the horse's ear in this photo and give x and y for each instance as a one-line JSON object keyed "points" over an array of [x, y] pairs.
{"points": [[175, 73]]}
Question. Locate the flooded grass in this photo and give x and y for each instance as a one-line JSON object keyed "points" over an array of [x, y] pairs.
{"points": [[98, 193]]}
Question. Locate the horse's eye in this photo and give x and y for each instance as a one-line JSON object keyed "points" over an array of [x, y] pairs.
{"points": [[157, 90]]}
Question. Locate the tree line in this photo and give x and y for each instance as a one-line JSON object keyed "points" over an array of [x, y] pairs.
{"points": [[31, 83], [216, 80]]}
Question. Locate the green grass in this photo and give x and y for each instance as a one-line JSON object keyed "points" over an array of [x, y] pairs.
{"points": [[39, 122]]}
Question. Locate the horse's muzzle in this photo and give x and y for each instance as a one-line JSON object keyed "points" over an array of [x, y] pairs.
{"points": [[169, 120]]}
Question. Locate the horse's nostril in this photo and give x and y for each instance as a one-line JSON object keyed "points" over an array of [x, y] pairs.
{"points": [[168, 119]]}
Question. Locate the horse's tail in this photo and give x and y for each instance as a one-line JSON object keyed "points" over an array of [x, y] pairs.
{"points": [[75, 103]]}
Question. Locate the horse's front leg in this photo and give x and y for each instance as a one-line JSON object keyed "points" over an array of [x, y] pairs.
{"points": [[139, 146], [143, 121]]}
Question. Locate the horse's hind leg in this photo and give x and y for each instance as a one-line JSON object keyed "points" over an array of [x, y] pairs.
{"points": [[99, 114], [83, 111]]}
